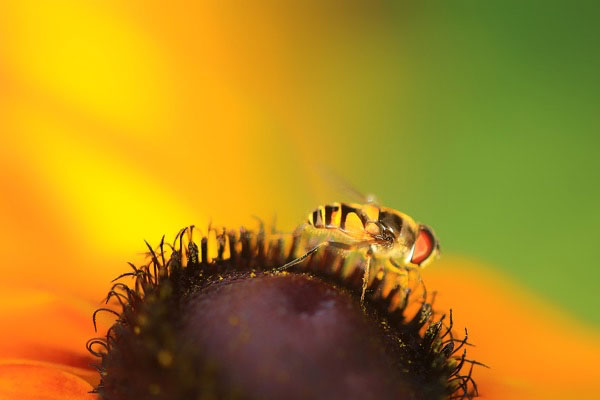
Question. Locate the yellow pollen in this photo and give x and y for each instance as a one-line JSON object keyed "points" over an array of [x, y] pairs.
{"points": [[165, 358], [142, 319], [154, 389]]}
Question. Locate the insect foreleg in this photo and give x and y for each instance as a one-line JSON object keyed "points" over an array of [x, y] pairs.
{"points": [[399, 269]]}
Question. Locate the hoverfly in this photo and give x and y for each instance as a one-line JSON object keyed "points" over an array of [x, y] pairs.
{"points": [[389, 240]]}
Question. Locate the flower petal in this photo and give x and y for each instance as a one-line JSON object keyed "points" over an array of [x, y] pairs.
{"points": [[533, 350], [43, 326], [26, 381]]}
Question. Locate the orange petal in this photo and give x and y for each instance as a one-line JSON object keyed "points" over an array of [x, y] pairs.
{"points": [[43, 326], [89, 375], [535, 351], [36, 382]]}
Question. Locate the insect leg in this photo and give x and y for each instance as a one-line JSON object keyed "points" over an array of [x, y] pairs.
{"points": [[399, 269], [303, 257], [298, 260], [411, 275], [365, 281]]}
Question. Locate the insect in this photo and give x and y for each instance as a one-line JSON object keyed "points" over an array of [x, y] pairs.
{"points": [[388, 240]]}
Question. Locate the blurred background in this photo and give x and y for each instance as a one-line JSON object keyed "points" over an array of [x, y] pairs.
{"points": [[125, 121]]}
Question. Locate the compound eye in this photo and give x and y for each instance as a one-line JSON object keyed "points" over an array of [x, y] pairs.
{"points": [[424, 246]]}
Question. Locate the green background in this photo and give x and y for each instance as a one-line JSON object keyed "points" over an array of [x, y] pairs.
{"points": [[478, 118]]}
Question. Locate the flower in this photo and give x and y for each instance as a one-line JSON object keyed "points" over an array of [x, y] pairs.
{"points": [[120, 125], [534, 349], [40, 346], [523, 340]]}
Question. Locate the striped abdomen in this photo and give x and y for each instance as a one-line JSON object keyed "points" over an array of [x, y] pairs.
{"points": [[358, 218], [343, 216]]}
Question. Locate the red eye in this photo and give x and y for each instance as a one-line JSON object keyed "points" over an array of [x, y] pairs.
{"points": [[424, 246]]}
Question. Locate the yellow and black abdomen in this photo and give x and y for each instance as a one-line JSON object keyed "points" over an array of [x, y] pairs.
{"points": [[343, 216], [327, 216]]}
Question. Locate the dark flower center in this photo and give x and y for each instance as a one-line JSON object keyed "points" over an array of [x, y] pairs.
{"points": [[232, 327]]}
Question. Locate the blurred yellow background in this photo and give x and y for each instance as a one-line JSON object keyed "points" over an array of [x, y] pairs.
{"points": [[124, 121]]}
